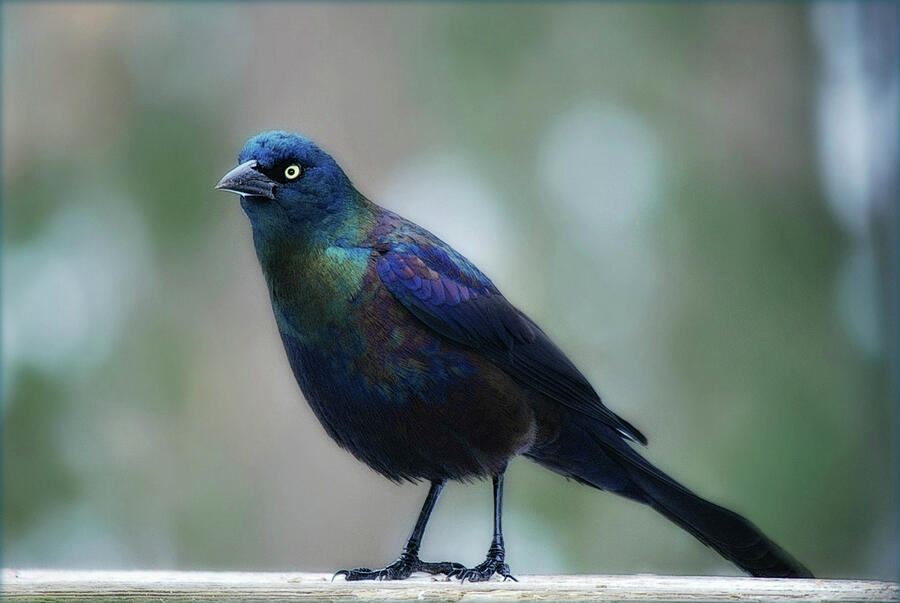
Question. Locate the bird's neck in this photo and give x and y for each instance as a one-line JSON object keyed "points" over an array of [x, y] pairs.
{"points": [[314, 270], [303, 228]]}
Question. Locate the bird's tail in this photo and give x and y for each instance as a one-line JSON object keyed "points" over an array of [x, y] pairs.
{"points": [[726, 532]]}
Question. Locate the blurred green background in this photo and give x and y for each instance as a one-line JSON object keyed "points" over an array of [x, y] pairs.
{"points": [[695, 201]]}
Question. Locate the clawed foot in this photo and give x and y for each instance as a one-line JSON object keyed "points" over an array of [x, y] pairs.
{"points": [[494, 564], [401, 569]]}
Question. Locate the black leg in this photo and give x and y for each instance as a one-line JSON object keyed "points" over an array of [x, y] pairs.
{"points": [[409, 561], [495, 562]]}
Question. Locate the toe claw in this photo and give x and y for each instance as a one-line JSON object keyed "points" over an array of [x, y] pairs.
{"points": [[360, 573], [484, 571]]}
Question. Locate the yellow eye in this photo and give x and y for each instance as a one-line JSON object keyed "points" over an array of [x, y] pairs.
{"points": [[291, 172]]}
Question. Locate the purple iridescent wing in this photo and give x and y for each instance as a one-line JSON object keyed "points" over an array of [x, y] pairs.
{"points": [[452, 299], [451, 296]]}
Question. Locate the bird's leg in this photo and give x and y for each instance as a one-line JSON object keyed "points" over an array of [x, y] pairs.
{"points": [[495, 562], [409, 561]]}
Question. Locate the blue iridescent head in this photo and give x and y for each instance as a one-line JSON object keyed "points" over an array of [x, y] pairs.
{"points": [[285, 178]]}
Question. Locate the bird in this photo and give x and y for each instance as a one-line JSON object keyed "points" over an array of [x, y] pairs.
{"points": [[415, 363]]}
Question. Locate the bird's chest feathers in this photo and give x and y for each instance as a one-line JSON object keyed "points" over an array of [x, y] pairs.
{"points": [[315, 290]]}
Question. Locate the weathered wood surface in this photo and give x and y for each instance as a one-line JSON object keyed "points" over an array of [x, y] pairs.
{"points": [[70, 585]]}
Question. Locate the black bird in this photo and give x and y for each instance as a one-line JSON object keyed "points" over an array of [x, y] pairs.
{"points": [[415, 363]]}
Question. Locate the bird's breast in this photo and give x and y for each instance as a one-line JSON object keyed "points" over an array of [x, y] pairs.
{"points": [[315, 290]]}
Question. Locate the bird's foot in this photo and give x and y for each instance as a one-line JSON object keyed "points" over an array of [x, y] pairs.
{"points": [[401, 569], [494, 564]]}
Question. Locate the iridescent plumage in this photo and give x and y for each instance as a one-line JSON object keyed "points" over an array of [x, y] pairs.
{"points": [[415, 363]]}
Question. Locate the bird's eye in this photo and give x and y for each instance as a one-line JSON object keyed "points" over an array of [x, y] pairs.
{"points": [[291, 172]]}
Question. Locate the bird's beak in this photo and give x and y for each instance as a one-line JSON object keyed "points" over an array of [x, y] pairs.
{"points": [[245, 179]]}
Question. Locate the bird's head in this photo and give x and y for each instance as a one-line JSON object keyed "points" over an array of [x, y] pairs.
{"points": [[284, 179]]}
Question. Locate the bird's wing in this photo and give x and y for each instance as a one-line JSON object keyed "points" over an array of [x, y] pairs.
{"points": [[451, 296]]}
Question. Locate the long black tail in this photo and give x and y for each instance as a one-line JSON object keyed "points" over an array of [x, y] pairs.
{"points": [[621, 469], [726, 532]]}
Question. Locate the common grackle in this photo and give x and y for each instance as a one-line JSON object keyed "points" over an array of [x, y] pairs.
{"points": [[416, 364]]}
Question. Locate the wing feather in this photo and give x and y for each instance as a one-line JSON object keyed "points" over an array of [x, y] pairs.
{"points": [[451, 296]]}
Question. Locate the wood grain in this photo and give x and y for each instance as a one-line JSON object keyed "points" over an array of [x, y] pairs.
{"points": [[71, 585]]}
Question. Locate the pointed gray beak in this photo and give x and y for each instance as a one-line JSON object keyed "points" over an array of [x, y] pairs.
{"points": [[246, 180]]}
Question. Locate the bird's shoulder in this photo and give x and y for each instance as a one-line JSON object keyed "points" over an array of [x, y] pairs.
{"points": [[441, 287], [401, 240]]}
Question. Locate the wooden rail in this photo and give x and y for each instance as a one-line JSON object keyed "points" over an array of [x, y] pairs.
{"points": [[71, 585]]}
